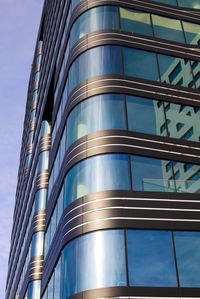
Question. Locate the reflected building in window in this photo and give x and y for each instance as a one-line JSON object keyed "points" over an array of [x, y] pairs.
{"points": [[107, 200]]}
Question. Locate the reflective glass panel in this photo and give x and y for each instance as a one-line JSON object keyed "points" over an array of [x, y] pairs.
{"points": [[97, 61], [95, 260], [192, 33], [104, 112], [150, 258], [57, 283], [136, 62], [144, 115], [135, 21], [189, 3], [187, 245], [183, 121], [168, 28], [34, 289], [169, 2], [98, 18], [40, 199], [37, 244], [102, 172], [172, 70], [148, 174]]}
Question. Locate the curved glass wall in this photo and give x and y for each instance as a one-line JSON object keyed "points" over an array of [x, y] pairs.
{"points": [[130, 113], [37, 244], [181, 3], [33, 290], [134, 21], [117, 60], [106, 258], [129, 20]]}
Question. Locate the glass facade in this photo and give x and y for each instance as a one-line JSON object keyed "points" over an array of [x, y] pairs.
{"points": [[148, 258], [107, 195]]}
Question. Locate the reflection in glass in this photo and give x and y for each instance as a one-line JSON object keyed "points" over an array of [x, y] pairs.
{"points": [[148, 175], [102, 172], [135, 21], [168, 28], [136, 62], [98, 18], [104, 112], [96, 61], [43, 161], [189, 3], [40, 199], [150, 258], [57, 283], [172, 70], [34, 289], [169, 2], [37, 244], [192, 32], [187, 245], [95, 260], [144, 115]]}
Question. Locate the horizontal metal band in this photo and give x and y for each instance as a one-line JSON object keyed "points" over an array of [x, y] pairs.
{"points": [[45, 143]]}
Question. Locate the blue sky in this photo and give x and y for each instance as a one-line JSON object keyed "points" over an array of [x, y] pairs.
{"points": [[19, 22]]}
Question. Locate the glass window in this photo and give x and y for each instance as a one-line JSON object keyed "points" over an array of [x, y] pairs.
{"points": [[144, 115], [60, 205], [136, 62], [43, 161], [149, 174], [103, 172], [189, 3], [187, 245], [51, 287], [53, 223], [135, 21], [169, 2], [34, 289], [151, 259], [95, 260], [192, 33], [57, 283], [40, 199], [179, 121], [62, 147], [168, 28], [47, 239], [37, 244], [96, 61], [98, 18], [104, 112], [172, 70], [45, 128]]}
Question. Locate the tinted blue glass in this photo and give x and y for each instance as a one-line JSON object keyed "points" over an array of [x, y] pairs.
{"points": [[192, 33], [148, 175], [168, 28], [57, 283], [104, 112], [136, 62], [189, 3], [40, 199], [43, 161], [95, 260], [98, 18], [50, 287], [34, 289], [97, 61], [169, 2], [103, 172], [135, 21], [144, 115], [187, 245], [150, 258], [37, 244]]}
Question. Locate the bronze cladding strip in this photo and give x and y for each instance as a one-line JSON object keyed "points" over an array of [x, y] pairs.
{"points": [[34, 272], [139, 293], [105, 84], [29, 149], [103, 142], [124, 39], [32, 126], [45, 143], [41, 181], [123, 209], [39, 222]]}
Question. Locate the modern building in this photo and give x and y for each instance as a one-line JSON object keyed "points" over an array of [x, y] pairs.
{"points": [[107, 201]]}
